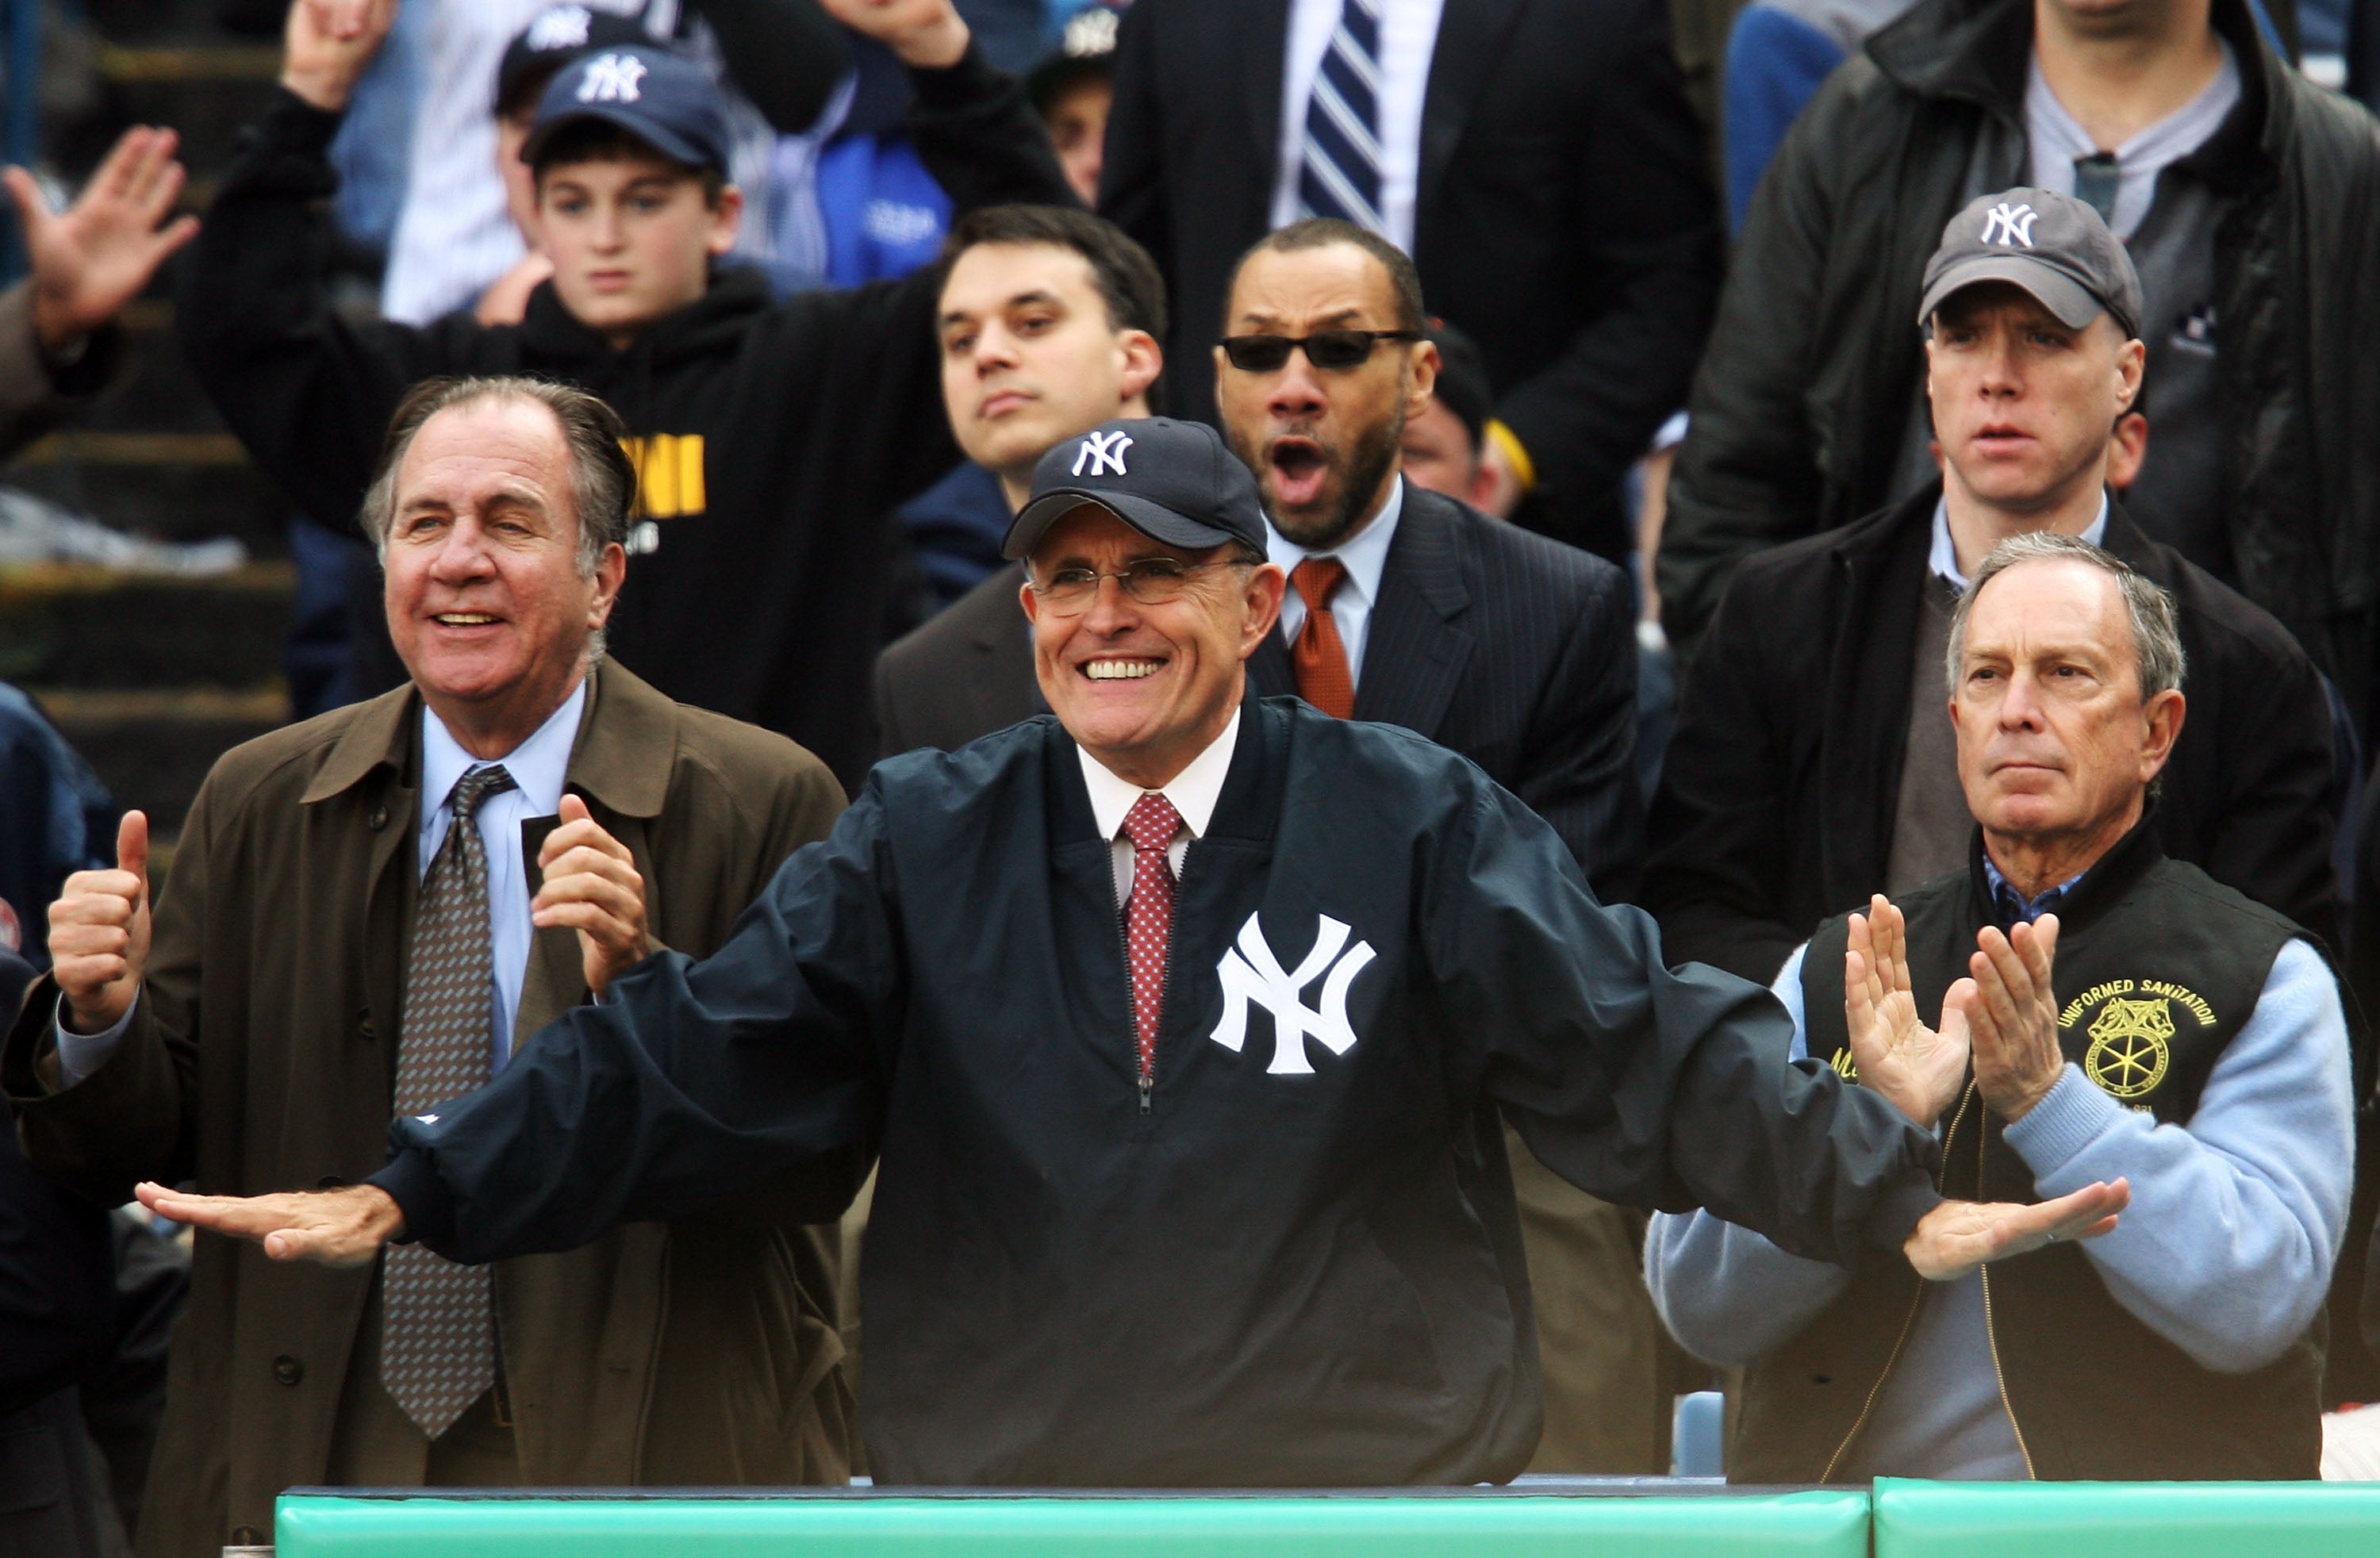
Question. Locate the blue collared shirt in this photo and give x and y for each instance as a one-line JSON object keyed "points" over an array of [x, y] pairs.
{"points": [[537, 767], [2009, 905], [1944, 559]]}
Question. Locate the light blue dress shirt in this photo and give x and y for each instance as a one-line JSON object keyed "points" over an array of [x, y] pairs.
{"points": [[1364, 557]]}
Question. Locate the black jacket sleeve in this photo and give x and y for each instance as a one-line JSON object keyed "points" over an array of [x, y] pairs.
{"points": [[1721, 817], [977, 134], [785, 56], [1747, 476], [308, 390], [1580, 770], [690, 1084], [1647, 1086], [1131, 172], [1648, 229]]}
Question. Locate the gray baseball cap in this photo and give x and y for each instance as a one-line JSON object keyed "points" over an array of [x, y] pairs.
{"points": [[2053, 245]]}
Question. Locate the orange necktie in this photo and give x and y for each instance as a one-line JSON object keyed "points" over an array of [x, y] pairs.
{"points": [[1319, 658]]}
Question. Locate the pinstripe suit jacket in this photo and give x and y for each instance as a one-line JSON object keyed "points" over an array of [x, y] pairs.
{"points": [[1518, 652]]}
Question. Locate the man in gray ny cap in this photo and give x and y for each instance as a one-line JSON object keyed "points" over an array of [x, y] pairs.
{"points": [[1177, 1017], [1813, 763]]}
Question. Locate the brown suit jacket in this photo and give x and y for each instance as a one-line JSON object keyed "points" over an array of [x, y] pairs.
{"points": [[261, 1057]]}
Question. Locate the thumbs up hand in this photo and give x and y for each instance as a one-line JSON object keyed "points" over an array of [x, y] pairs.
{"points": [[99, 932], [592, 885]]}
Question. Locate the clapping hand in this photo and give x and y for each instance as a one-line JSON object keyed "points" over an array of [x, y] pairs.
{"points": [[94, 257], [1919, 1068], [1956, 1237], [2013, 1015]]}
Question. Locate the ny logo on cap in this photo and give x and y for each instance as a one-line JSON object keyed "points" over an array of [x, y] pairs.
{"points": [[1104, 451], [613, 79], [2012, 224], [564, 27]]}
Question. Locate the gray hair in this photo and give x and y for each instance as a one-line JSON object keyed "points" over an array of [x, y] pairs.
{"points": [[602, 480], [2157, 641]]}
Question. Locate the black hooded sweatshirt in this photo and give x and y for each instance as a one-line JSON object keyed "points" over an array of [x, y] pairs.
{"points": [[772, 438]]}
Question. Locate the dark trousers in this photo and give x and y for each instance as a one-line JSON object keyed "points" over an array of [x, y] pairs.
{"points": [[50, 1494]]}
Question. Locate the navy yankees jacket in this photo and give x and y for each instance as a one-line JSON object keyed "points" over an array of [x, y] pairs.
{"points": [[1296, 1259]]}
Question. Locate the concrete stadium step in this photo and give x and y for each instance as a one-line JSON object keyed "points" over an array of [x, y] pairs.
{"points": [[151, 747], [70, 626]]}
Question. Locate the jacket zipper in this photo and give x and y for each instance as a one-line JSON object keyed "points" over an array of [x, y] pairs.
{"points": [[1909, 1322], [1992, 1336]]}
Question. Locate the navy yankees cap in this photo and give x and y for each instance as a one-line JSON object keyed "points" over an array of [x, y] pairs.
{"points": [[2053, 245], [1175, 483], [654, 92], [558, 35]]}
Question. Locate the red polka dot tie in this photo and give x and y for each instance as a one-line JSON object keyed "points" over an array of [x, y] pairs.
{"points": [[1149, 914]]}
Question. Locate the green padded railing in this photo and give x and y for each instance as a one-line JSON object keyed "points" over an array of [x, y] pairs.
{"points": [[2127, 1519], [1827, 1524]]}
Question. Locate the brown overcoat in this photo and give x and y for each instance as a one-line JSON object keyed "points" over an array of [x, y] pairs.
{"points": [[261, 1056]]}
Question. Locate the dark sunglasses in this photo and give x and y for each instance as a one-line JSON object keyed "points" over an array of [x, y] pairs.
{"points": [[1333, 352]]}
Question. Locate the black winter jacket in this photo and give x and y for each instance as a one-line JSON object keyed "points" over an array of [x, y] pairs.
{"points": [[772, 438], [1776, 806], [1296, 1260], [1803, 401]]}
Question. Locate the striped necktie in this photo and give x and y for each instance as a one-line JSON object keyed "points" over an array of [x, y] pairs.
{"points": [[438, 1334], [1340, 175]]}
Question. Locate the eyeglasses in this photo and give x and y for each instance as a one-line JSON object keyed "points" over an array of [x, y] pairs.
{"points": [[1152, 581], [1333, 352]]}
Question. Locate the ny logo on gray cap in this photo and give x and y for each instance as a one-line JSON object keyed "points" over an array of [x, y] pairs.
{"points": [[2005, 224]]}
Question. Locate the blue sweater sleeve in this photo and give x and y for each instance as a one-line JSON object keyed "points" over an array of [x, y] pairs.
{"points": [[2235, 1222], [1729, 1295], [1774, 64]]}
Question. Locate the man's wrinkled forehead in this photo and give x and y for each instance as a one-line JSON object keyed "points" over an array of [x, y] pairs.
{"points": [[2048, 607], [1332, 285], [1090, 536]]}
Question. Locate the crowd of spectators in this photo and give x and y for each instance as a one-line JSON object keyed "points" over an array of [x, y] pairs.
{"points": [[1638, 398]]}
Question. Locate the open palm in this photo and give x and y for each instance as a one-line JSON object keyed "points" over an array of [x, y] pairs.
{"points": [[93, 258], [1920, 1069]]}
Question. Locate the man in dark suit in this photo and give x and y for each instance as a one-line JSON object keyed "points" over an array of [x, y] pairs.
{"points": [[1050, 321], [1413, 609], [1536, 157], [1812, 764]]}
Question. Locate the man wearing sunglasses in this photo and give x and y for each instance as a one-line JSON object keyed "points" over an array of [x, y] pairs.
{"points": [[1151, 1209], [1519, 652]]}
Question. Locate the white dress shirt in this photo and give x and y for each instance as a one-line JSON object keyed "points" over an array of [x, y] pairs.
{"points": [[1408, 37], [1365, 557], [537, 767], [1193, 792]]}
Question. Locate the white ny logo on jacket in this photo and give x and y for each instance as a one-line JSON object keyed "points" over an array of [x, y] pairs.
{"points": [[1251, 972]]}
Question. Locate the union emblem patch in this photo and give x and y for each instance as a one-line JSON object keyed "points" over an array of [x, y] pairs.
{"points": [[2131, 1045]]}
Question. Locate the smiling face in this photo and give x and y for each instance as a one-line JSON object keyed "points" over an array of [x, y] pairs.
{"points": [[2023, 404], [1323, 445], [2054, 740], [486, 603], [631, 240], [1145, 688], [1030, 357]]}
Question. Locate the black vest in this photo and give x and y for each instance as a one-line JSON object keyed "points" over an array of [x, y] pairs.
{"points": [[2158, 966]]}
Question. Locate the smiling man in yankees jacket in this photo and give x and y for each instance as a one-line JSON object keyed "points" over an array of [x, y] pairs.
{"points": [[1180, 1021]]}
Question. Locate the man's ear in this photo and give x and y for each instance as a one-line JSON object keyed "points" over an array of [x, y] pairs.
{"points": [[1027, 599], [1144, 361], [611, 571], [2161, 726], [1266, 586], [1421, 385], [726, 220], [2131, 362]]}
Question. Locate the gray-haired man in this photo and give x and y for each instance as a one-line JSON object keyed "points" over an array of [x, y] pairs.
{"points": [[2129, 1019]]}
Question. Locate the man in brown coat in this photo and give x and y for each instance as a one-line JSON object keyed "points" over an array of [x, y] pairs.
{"points": [[316, 952]]}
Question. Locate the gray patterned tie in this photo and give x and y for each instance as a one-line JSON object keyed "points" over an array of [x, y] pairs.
{"points": [[438, 1333]]}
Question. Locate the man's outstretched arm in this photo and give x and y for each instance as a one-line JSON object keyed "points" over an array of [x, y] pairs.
{"points": [[691, 1083]]}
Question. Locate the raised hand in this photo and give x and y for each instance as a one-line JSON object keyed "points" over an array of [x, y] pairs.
{"points": [[99, 932], [592, 885], [96, 256], [1958, 1236], [2013, 1015], [923, 32], [342, 1228], [328, 44], [1919, 1068]]}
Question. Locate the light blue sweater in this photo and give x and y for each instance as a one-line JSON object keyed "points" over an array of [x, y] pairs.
{"points": [[2226, 1250]]}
